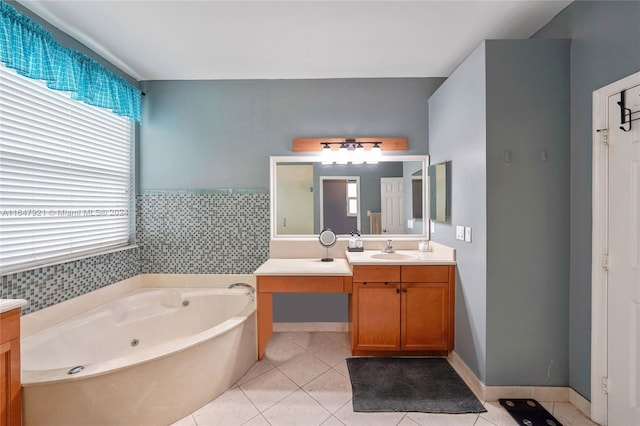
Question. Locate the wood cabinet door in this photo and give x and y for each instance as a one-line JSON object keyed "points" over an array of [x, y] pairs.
{"points": [[376, 316], [425, 316], [10, 388]]}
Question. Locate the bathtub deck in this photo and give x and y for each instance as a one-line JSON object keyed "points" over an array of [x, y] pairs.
{"points": [[303, 379]]}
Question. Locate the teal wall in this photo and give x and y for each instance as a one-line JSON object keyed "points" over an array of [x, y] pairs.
{"points": [[527, 98], [220, 134], [457, 133], [512, 289], [605, 47]]}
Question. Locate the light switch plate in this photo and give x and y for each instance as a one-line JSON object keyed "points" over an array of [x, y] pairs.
{"points": [[460, 233], [467, 234], [433, 227], [410, 223]]}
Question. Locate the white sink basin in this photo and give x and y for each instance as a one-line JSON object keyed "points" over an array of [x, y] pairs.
{"points": [[392, 256]]}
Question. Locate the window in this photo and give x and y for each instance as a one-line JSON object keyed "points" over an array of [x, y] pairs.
{"points": [[65, 176], [352, 198]]}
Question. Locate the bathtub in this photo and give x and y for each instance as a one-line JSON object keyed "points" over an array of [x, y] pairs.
{"points": [[149, 357]]}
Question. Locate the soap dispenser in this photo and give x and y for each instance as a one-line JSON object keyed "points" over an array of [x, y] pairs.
{"points": [[352, 241], [358, 241]]}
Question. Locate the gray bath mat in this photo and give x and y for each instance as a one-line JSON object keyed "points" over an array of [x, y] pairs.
{"points": [[426, 385]]}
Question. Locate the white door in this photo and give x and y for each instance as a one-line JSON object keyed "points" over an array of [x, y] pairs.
{"points": [[392, 205], [294, 199], [623, 289]]}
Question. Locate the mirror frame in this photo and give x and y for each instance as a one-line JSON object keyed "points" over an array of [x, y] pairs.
{"points": [[273, 160]]}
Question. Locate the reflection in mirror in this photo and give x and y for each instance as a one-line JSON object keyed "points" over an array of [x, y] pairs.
{"points": [[440, 192], [383, 199], [339, 203]]}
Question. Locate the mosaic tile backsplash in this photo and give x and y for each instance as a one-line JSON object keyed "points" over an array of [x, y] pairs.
{"points": [[202, 233], [44, 287], [182, 232]]}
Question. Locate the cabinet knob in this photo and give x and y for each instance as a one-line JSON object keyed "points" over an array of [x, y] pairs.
{"points": [[398, 290], [404, 290]]}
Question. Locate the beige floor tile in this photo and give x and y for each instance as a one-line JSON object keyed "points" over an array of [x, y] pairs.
{"points": [[350, 418], [280, 351], [569, 415], [483, 422], [270, 392], [230, 408], [339, 337], [431, 419], [497, 415], [186, 421], [257, 369], [548, 405], [306, 339], [258, 420], [331, 389], [342, 368], [266, 390], [297, 409], [332, 421], [303, 368], [407, 421], [331, 352]]}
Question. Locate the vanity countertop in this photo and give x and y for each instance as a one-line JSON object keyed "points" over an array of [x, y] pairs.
{"points": [[401, 257], [7, 305], [304, 267]]}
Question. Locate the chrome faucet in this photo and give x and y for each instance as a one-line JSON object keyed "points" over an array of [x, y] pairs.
{"points": [[388, 248], [252, 291]]}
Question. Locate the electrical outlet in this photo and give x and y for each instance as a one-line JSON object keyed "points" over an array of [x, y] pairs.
{"points": [[433, 227], [460, 233], [467, 234]]}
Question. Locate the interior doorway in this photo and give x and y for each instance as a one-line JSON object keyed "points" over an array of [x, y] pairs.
{"points": [[340, 204], [615, 372]]}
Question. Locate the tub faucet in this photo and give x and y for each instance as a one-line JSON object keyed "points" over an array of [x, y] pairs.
{"points": [[388, 248], [252, 291]]}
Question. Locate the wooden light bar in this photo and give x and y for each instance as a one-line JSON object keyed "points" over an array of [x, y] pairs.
{"points": [[315, 144]]}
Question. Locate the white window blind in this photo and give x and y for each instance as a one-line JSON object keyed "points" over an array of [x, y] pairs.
{"points": [[65, 175]]}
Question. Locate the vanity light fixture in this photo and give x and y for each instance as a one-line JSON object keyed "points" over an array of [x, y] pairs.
{"points": [[351, 151], [326, 154]]}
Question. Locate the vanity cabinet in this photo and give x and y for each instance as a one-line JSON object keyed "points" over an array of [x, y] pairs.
{"points": [[10, 387], [407, 309]]}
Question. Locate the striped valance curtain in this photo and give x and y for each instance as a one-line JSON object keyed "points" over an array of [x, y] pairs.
{"points": [[33, 52]]}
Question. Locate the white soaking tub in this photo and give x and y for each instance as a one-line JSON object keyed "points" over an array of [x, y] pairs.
{"points": [[149, 357]]}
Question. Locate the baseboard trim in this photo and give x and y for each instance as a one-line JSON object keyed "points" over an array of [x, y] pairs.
{"points": [[311, 326], [540, 393], [580, 402]]}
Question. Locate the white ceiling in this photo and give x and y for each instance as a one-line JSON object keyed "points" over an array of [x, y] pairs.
{"points": [[187, 40]]}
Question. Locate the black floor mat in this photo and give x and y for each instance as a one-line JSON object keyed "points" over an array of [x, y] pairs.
{"points": [[529, 412]]}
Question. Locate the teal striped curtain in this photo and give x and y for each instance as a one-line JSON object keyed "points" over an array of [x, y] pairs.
{"points": [[33, 52]]}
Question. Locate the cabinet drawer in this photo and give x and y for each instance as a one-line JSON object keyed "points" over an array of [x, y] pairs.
{"points": [[425, 274], [376, 273], [300, 284], [10, 325]]}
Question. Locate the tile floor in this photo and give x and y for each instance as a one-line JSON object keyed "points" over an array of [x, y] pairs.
{"points": [[303, 380]]}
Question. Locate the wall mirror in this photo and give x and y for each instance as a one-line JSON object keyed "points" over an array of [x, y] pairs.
{"points": [[440, 192], [386, 199]]}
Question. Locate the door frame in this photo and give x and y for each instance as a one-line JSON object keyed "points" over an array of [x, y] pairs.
{"points": [[321, 198], [599, 244]]}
